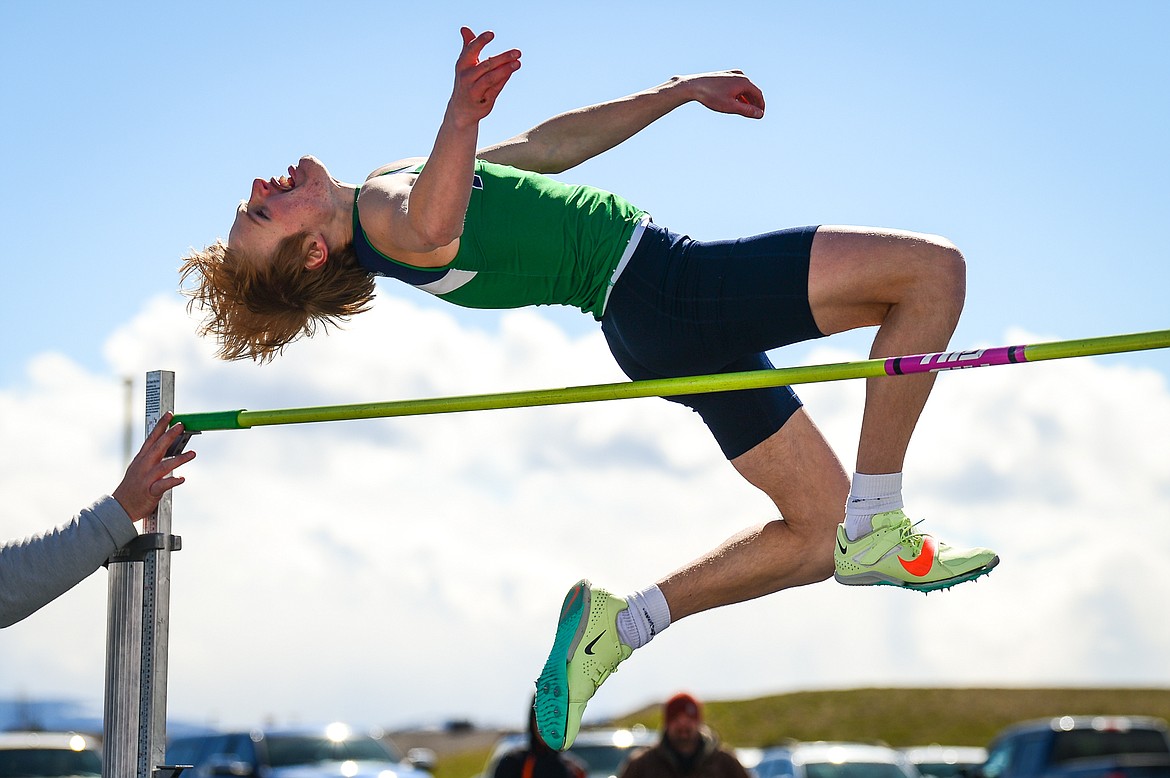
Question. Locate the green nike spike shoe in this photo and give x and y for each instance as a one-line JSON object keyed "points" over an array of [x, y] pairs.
{"points": [[894, 555], [585, 652]]}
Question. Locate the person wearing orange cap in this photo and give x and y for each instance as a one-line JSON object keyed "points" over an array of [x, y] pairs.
{"points": [[688, 747]]}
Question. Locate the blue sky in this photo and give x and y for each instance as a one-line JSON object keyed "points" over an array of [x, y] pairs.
{"points": [[1033, 135], [1030, 134]]}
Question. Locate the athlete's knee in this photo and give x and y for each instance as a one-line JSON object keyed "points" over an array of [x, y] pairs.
{"points": [[809, 550], [954, 263], [946, 272], [819, 567]]}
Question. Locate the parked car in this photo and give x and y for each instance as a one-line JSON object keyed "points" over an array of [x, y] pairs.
{"points": [[937, 761], [824, 759], [49, 755], [1081, 747], [602, 751], [334, 751]]}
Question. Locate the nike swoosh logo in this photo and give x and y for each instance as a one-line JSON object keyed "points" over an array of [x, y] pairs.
{"points": [[592, 643], [841, 546], [921, 564]]}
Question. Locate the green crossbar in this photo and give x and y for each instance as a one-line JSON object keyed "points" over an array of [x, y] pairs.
{"points": [[667, 387]]}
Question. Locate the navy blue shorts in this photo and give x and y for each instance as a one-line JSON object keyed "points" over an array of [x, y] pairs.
{"points": [[685, 307]]}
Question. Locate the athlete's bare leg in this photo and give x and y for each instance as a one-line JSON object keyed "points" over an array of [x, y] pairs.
{"points": [[910, 286], [799, 471]]}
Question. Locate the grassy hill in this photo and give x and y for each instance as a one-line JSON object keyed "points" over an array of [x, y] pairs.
{"points": [[906, 717], [898, 717]]}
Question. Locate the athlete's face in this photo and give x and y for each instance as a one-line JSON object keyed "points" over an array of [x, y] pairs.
{"points": [[280, 207]]}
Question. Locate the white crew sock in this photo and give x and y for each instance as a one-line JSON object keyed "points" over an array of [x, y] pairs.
{"points": [[871, 494], [647, 615]]}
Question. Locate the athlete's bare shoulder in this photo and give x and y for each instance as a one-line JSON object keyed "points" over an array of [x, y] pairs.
{"points": [[401, 166]]}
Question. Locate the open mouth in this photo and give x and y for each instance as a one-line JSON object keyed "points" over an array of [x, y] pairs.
{"points": [[285, 183]]}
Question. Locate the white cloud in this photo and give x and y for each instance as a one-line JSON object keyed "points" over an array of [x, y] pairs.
{"points": [[410, 569]]}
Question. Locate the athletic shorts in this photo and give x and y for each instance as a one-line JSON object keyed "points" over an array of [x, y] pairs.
{"points": [[684, 307]]}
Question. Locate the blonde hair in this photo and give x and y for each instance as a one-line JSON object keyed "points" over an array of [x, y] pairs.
{"points": [[256, 308]]}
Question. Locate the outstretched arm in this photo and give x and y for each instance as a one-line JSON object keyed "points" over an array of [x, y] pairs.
{"points": [[418, 219], [36, 570], [569, 139]]}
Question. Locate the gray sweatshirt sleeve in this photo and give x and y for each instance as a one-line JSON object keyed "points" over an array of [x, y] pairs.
{"points": [[37, 570]]}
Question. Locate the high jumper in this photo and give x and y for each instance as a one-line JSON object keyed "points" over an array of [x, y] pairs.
{"points": [[485, 227]]}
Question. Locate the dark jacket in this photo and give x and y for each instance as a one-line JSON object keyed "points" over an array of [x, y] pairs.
{"points": [[662, 761], [537, 763]]}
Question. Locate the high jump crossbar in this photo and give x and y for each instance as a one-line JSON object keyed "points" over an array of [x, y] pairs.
{"points": [[665, 387]]}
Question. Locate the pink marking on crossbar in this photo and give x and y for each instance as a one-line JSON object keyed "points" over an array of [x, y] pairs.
{"points": [[955, 360]]}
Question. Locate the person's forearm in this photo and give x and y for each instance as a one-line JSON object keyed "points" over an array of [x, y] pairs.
{"points": [[570, 138], [438, 200], [35, 571]]}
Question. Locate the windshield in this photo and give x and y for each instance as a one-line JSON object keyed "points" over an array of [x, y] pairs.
{"points": [[601, 759], [48, 763], [853, 770], [1084, 743], [286, 750], [941, 769]]}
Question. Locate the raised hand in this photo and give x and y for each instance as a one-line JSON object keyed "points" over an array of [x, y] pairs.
{"points": [[149, 476], [478, 83]]}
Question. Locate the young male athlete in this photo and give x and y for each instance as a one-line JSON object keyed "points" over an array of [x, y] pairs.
{"points": [[484, 228]]}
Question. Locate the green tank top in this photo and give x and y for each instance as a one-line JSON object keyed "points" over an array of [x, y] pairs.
{"points": [[527, 240]]}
